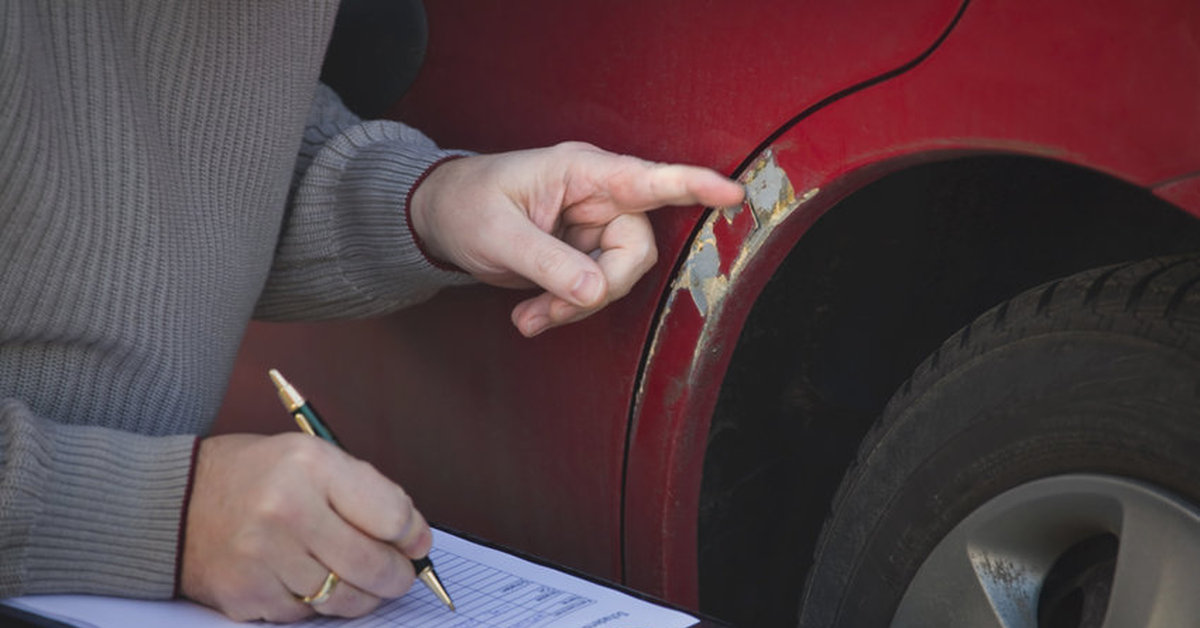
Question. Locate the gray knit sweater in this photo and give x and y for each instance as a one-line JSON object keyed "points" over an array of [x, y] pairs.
{"points": [[147, 150]]}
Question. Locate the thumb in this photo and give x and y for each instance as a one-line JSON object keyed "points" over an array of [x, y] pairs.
{"points": [[558, 267]]}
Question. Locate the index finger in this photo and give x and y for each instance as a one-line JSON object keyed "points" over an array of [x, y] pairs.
{"points": [[625, 184], [378, 507]]}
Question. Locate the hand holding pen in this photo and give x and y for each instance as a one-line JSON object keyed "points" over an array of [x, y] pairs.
{"points": [[311, 423], [270, 517]]}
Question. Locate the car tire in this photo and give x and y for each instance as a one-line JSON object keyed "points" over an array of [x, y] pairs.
{"points": [[1039, 469]]}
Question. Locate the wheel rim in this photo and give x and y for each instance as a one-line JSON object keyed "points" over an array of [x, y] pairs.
{"points": [[1047, 553]]}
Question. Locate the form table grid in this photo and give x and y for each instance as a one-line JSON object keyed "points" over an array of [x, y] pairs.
{"points": [[485, 597]]}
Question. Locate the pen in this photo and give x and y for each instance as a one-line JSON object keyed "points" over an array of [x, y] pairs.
{"points": [[307, 418]]}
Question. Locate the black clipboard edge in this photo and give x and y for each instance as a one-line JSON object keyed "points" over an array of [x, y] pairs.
{"points": [[21, 618]]}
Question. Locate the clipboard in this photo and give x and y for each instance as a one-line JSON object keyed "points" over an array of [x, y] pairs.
{"points": [[492, 585]]}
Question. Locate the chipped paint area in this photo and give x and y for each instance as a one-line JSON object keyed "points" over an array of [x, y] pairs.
{"points": [[701, 272], [771, 199]]}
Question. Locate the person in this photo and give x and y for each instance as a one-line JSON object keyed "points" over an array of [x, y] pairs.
{"points": [[170, 169]]}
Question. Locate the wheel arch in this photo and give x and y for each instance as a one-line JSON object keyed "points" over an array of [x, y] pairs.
{"points": [[818, 357], [804, 286]]}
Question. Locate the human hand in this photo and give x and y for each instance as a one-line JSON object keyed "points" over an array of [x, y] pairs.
{"points": [[538, 216], [270, 516]]}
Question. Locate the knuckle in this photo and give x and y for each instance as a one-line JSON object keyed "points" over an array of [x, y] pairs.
{"points": [[573, 146], [274, 508], [305, 452], [399, 521], [551, 260]]}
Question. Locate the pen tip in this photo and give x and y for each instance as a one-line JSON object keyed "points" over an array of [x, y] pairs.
{"points": [[428, 576]]}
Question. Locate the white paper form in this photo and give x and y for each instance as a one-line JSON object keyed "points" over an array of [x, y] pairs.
{"points": [[491, 589]]}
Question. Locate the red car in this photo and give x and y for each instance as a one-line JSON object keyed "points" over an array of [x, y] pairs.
{"points": [[941, 369]]}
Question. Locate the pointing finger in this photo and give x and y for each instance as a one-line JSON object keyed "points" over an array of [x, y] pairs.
{"points": [[628, 184]]}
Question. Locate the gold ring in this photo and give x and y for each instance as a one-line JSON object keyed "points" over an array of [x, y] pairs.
{"points": [[323, 593]]}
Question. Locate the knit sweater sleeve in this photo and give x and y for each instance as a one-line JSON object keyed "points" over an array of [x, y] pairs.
{"points": [[346, 248], [88, 509]]}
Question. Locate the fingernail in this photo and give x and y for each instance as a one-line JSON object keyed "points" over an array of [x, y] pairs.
{"points": [[536, 325], [587, 289]]}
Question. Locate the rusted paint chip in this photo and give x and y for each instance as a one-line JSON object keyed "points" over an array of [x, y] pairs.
{"points": [[701, 273], [768, 189], [771, 198]]}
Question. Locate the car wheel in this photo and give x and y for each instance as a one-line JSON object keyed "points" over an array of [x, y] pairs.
{"points": [[1040, 469]]}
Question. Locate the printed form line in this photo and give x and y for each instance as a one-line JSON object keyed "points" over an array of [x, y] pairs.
{"points": [[486, 597]]}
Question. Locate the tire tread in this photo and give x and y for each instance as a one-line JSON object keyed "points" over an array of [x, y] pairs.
{"points": [[1154, 298]]}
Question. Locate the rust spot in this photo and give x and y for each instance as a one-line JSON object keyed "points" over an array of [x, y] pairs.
{"points": [[768, 189], [712, 264], [701, 273], [771, 198]]}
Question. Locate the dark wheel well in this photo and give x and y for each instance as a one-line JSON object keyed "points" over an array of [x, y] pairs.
{"points": [[872, 289]]}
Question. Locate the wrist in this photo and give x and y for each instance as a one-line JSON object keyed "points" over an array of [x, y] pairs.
{"points": [[419, 208]]}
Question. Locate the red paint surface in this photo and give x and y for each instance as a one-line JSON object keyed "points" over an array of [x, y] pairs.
{"points": [[524, 442], [702, 81]]}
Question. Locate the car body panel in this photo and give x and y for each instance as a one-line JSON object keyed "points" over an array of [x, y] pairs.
{"points": [[1000, 83], [703, 81], [532, 443]]}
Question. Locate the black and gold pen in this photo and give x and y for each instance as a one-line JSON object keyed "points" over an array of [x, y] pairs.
{"points": [[307, 418]]}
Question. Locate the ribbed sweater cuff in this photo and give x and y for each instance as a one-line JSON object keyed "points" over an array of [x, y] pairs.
{"points": [[391, 172], [106, 519], [348, 235]]}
